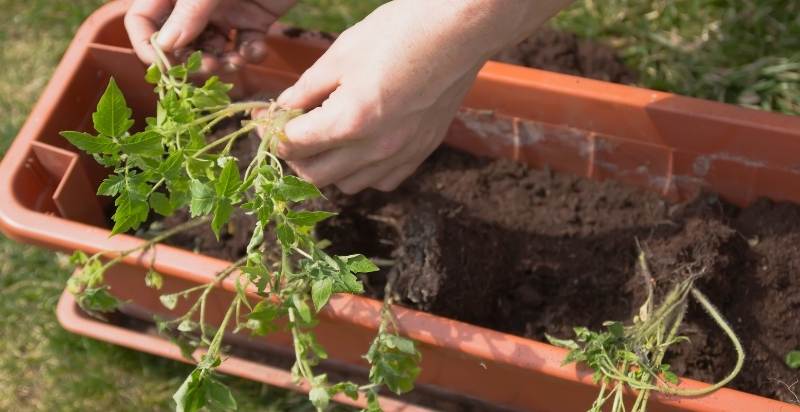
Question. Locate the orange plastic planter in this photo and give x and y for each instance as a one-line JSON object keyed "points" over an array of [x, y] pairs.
{"points": [[674, 145]]}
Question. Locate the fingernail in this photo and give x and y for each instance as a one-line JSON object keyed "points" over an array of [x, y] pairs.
{"points": [[167, 37], [285, 99]]}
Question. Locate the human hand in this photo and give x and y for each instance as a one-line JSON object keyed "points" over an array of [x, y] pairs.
{"points": [[384, 94], [204, 25]]}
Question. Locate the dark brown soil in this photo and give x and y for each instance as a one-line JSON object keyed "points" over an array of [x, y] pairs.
{"points": [[531, 252], [558, 51]]}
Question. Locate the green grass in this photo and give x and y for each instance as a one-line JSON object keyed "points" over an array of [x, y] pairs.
{"points": [[732, 50], [738, 51]]}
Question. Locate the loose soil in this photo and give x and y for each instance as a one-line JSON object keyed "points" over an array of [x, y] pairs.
{"points": [[529, 252]]}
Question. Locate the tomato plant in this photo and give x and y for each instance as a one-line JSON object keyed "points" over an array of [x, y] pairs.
{"points": [[633, 355], [172, 164]]}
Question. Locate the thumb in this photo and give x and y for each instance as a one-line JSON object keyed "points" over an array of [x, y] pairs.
{"points": [[187, 20]]}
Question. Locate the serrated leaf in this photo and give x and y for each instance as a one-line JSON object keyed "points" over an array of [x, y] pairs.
{"points": [[147, 143], [219, 396], [111, 185], [302, 308], [670, 377], [172, 166], [131, 212], [360, 264], [113, 116], [319, 397], [222, 213], [161, 204], [261, 319], [307, 218], [190, 396], [202, 198], [321, 291], [169, 301], [285, 235], [292, 188], [153, 74], [213, 93], [228, 181], [91, 144]]}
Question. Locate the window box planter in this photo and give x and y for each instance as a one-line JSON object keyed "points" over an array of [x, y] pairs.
{"points": [[670, 144]]}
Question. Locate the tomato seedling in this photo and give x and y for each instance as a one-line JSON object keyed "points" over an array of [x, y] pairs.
{"points": [[171, 164], [633, 355]]}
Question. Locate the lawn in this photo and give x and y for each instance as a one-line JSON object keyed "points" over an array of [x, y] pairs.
{"points": [[745, 52]]}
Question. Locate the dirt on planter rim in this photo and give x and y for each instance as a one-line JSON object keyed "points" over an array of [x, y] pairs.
{"points": [[529, 252]]}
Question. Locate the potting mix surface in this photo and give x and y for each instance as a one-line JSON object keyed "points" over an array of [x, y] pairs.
{"points": [[529, 252]]}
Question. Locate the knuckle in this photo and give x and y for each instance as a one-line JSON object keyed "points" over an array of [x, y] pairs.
{"points": [[352, 122]]}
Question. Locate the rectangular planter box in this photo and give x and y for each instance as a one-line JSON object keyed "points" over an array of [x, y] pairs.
{"points": [[670, 144]]}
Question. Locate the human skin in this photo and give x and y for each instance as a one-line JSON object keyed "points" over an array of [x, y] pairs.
{"points": [[379, 101]]}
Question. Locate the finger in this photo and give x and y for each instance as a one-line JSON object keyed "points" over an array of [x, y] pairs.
{"points": [[333, 165], [141, 21], [396, 177], [247, 15], [187, 20], [252, 45], [276, 7], [231, 62], [387, 174]]}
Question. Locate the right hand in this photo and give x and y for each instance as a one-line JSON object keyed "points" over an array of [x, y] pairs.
{"points": [[207, 24]]}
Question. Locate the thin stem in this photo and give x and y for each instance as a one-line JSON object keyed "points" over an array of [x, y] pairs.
{"points": [[149, 243]]}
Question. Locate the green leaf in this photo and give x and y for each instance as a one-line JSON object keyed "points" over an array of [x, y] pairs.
{"points": [[321, 291], [172, 167], [307, 218], [213, 93], [169, 301], [194, 61], [153, 74], [91, 144], [793, 359], [131, 211], [373, 405], [202, 198], [670, 377], [319, 397], [97, 300], [359, 264], [292, 188], [285, 235], [187, 326], [111, 186], [112, 117], [229, 180], [561, 343], [147, 144], [219, 396], [222, 213], [154, 280], [302, 308], [161, 204], [178, 71], [191, 396], [261, 319]]}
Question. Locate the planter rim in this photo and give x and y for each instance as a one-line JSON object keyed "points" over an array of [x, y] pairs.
{"points": [[22, 223]]}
